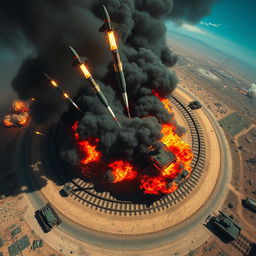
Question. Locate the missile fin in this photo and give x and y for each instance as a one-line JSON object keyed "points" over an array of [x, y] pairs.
{"points": [[103, 28]]}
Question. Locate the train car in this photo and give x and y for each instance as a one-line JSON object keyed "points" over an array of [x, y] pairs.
{"points": [[160, 156]]}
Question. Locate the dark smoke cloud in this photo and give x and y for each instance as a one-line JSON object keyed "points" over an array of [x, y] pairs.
{"points": [[48, 27], [191, 11]]}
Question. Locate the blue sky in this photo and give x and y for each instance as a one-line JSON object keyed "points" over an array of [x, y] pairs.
{"points": [[230, 27]]}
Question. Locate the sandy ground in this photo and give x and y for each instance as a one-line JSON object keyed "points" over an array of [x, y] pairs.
{"points": [[13, 202], [197, 87], [92, 219], [140, 225]]}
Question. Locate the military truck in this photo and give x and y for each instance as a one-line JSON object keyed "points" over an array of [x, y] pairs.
{"points": [[250, 203], [47, 217], [160, 156], [226, 226], [195, 105]]}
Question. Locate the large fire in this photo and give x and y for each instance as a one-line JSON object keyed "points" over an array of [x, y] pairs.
{"points": [[121, 170], [21, 116], [19, 106]]}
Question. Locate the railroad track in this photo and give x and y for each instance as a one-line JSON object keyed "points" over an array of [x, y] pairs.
{"points": [[243, 244], [128, 204]]}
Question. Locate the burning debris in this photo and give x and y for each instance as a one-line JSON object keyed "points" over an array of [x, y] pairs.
{"points": [[19, 106], [21, 116]]}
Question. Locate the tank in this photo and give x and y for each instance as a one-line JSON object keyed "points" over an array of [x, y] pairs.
{"points": [[160, 156], [227, 226], [195, 105], [48, 217], [250, 203], [181, 177]]}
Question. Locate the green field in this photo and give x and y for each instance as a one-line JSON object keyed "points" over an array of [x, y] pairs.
{"points": [[234, 123]]}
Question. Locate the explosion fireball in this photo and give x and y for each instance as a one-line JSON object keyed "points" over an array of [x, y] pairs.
{"points": [[21, 116]]}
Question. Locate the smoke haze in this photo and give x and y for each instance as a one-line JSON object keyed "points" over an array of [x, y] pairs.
{"points": [[48, 27]]}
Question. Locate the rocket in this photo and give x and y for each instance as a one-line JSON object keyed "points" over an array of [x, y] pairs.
{"points": [[54, 83], [118, 66], [81, 62]]}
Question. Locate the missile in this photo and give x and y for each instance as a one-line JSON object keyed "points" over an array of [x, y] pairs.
{"points": [[39, 133], [78, 60], [54, 83], [81, 62], [117, 63], [107, 22]]}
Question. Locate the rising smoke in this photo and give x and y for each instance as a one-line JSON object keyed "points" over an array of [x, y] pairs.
{"points": [[48, 27]]}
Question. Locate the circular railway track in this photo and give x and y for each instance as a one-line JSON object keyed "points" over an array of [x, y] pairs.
{"points": [[126, 204]]}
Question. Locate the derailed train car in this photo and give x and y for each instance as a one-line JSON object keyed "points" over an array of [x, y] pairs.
{"points": [[161, 157]]}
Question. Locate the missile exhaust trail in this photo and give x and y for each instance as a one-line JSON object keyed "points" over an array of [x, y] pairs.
{"points": [[118, 66], [54, 83], [81, 62]]}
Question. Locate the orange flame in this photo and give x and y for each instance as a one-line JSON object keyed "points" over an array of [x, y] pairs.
{"points": [[157, 185], [85, 71], [112, 41], [87, 147], [16, 120], [122, 170], [22, 119], [54, 83], [91, 154], [7, 121], [19, 106], [39, 133], [181, 150]]}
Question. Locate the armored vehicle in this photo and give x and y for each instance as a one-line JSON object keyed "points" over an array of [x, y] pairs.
{"points": [[250, 203], [48, 217], [195, 105], [227, 226], [181, 177], [160, 156]]}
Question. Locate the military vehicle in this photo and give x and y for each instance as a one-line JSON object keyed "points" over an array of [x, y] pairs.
{"points": [[226, 225], [160, 156], [250, 203], [181, 177], [195, 105], [252, 160], [66, 191], [48, 217]]}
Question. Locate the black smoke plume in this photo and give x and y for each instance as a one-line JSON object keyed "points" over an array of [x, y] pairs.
{"points": [[48, 27]]}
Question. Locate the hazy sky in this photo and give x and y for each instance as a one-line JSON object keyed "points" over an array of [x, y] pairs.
{"points": [[230, 27]]}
